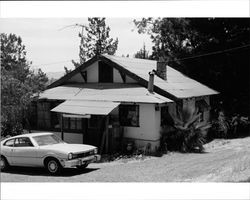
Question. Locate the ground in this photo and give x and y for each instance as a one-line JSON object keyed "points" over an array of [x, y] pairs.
{"points": [[223, 161]]}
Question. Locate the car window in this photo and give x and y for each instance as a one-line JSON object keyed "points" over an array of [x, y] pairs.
{"points": [[47, 140], [9, 143], [23, 142]]}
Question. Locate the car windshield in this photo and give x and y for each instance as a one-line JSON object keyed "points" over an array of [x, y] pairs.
{"points": [[47, 140]]}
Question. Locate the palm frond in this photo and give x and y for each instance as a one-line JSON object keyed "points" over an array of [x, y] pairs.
{"points": [[190, 133], [193, 120]]}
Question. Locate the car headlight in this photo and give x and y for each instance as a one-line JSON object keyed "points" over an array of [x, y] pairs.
{"points": [[70, 156], [95, 151]]}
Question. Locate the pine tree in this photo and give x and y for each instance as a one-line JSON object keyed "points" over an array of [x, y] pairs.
{"points": [[142, 53], [95, 40]]}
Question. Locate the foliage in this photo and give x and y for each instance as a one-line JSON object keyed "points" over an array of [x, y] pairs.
{"points": [[188, 134], [220, 127], [96, 40], [67, 70], [228, 71], [18, 84], [172, 37], [210, 50], [230, 127], [51, 80], [142, 53], [240, 126]]}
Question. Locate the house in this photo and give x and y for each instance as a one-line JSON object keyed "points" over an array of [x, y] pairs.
{"points": [[110, 99]]}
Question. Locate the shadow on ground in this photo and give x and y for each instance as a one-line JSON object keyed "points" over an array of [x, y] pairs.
{"points": [[68, 172]]}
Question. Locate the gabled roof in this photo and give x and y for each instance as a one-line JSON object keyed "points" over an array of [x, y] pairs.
{"points": [[177, 85], [116, 92]]}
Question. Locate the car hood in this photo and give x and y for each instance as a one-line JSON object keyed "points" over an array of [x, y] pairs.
{"points": [[69, 148]]}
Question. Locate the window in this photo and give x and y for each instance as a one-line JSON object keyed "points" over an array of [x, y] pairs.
{"points": [[46, 119], [202, 106], [55, 117], [23, 142], [43, 111], [94, 121], [166, 119], [70, 123], [9, 143], [55, 120], [105, 73], [129, 115]]}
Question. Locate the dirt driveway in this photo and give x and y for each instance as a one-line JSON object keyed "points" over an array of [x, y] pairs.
{"points": [[223, 161]]}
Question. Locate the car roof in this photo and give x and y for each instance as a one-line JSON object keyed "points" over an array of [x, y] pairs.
{"points": [[31, 135]]}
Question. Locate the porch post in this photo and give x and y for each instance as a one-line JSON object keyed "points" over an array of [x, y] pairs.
{"points": [[107, 135], [104, 143], [62, 126], [85, 129]]}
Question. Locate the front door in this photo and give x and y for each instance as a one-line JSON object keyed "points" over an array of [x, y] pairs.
{"points": [[93, 133]]}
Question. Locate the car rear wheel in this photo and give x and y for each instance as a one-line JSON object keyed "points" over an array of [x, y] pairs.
{"points": [[53, 166], [81, 167], [4, 163]]}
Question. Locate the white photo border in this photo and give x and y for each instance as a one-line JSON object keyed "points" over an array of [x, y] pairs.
{"points": [[128, 191]]}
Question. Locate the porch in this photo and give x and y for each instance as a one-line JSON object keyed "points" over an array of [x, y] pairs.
{"points": [[91, 113]]}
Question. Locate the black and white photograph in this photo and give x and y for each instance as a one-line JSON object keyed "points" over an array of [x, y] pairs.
{"points": [[102, 99]]}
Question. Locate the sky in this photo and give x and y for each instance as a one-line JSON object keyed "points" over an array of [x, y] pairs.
{"points": [[50, 46]]}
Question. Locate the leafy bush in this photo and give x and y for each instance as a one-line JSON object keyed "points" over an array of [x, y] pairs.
{"points": [[240, 126], [187, 134], [18, 84], [230, 127], [220, 126]]}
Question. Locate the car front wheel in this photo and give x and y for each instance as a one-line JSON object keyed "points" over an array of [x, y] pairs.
{"points": [[53, 166], [4, 164]]}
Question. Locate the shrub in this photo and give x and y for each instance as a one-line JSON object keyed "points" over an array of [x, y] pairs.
{"points": [[220, 126], [230, 127], [240, 126], [187, 134], [10, 122]]}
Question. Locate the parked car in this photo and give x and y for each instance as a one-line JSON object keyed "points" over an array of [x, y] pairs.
{"points": [[45, 150]]}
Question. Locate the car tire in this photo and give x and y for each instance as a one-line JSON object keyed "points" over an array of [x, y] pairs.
{"points": [[81, 167], [4, 164], [53, 166]]}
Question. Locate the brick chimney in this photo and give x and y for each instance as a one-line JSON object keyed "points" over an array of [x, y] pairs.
{"points": [[151, 81], [161, 68]]}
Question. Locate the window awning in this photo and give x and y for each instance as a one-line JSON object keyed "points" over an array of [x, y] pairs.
{"points": [[85, 107]]}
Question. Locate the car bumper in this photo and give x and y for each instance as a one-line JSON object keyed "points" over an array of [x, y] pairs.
{"points": [[80, 161]]}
